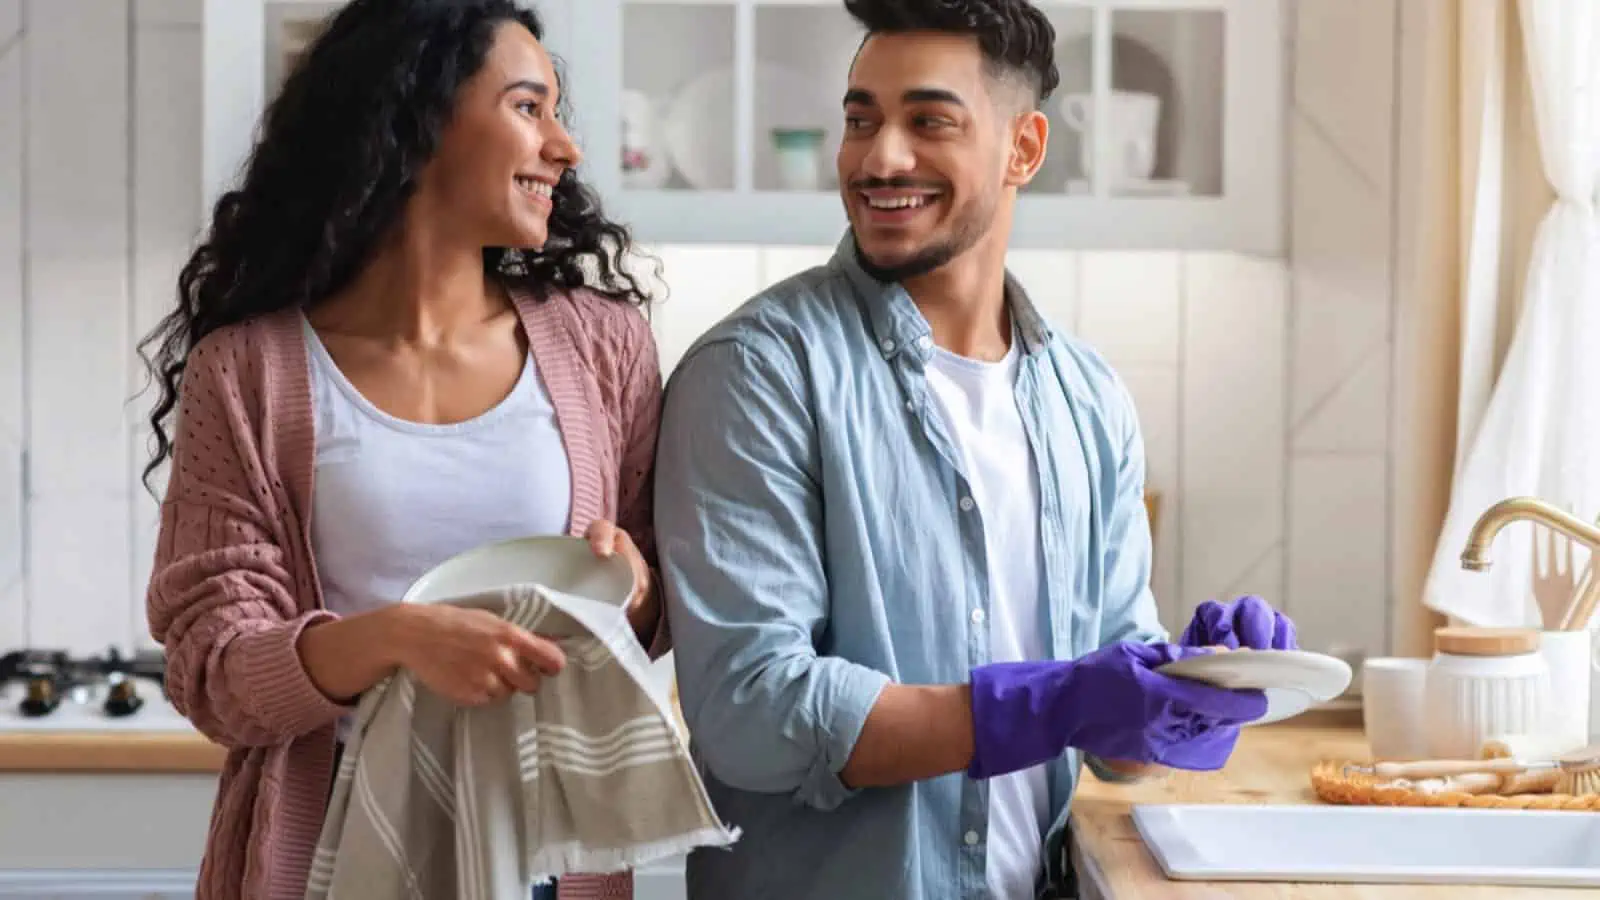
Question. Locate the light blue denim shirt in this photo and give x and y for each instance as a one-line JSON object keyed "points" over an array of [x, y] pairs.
{"points": [[817, 541]]}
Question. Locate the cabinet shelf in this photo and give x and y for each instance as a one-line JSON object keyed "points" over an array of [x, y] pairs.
{"points": [[717, 121]]}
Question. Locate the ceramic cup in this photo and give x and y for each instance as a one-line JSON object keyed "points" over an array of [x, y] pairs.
{"points": [[1567, 654], [799, 153], [1392, 692], [1135, 118]]}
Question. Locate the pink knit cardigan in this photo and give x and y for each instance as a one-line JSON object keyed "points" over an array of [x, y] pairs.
{"points": [[235, 583]]}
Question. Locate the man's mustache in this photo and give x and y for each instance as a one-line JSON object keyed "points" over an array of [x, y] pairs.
{"points": [[867, 184]]}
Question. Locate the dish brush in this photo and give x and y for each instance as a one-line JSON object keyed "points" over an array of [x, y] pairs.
{"points": [[1580, 772], [1576, 773]]}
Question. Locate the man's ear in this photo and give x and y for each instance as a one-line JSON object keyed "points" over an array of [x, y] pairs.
{"points": [[1030, 135]]}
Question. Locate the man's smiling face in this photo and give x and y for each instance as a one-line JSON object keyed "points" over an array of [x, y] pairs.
{"points": [[923, 161]]}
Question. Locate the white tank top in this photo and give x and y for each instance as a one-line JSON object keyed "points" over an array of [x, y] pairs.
{"points": [[393, 498]]}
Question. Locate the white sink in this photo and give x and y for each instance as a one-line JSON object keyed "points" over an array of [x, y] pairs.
{"points": [[1372, 844]]}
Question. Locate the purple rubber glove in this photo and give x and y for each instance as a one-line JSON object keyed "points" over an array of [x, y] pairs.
{"points": [[1109, 703], [1245, 622]]}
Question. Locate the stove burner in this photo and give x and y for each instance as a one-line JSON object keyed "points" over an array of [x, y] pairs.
{"points": [[53, 675], [124, 699], [42, 699]]}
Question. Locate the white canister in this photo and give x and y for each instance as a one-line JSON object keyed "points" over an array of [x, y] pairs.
{"points": [[1484, 682], [1567, 656]]}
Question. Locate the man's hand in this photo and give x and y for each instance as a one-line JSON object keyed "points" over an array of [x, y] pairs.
{"points": [[1110, 703], [1248, 622]]}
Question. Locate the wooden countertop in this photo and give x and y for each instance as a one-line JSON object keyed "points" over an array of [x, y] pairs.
{"points": [[1271, 765], [58, 752]]}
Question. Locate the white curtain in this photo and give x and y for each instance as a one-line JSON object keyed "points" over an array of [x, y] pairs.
{"points": [[1539, 433]]}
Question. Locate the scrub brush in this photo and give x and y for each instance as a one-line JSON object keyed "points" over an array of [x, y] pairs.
{"points": [[1576, 773], [1580, 773]]}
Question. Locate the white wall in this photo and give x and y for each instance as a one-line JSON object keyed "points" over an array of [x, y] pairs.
{"points": [[1260, 400], [1341, 332]]}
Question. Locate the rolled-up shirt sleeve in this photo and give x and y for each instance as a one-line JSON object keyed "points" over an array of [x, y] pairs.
{"points": [[739, 530]]}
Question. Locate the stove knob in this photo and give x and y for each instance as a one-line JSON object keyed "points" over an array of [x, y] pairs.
{"points": [[42, 698], [123, 700]]}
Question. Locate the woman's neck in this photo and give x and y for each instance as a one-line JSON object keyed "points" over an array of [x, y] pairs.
{"points": [[416, 291]]}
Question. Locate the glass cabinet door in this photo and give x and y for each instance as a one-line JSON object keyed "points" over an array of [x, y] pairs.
{"points": [[1139, 111], [679, 96]]}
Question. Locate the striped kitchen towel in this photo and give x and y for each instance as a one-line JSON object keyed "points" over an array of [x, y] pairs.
{"points": [[590, 774]]}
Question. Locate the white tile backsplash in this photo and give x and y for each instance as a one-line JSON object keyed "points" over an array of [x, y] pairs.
{"points": [[77, 273], [1342, 295], [12, 523], [1155, 394], [1338, 585], [1234, 325], [12, 398], [10, 21], [78, 552], [1356, 108], [1051, 280], [168, 12], [778, 263], [1128, 306], [705, 282], [1354, 417]]}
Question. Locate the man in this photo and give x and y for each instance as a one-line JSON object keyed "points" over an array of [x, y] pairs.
{"points": [[901, 525]]}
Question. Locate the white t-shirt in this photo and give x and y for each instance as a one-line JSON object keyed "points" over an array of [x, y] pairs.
{"points": [[393, 498], [977, 401]]}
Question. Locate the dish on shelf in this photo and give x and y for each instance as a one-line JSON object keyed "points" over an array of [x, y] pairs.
{"points": [[698, 124], [645, 161]]}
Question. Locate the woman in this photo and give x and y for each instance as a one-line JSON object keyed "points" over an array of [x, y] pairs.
{"points": [[407, 333]]}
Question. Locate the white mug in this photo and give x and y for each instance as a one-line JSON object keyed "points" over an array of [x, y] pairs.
{"points": [[1392, 706], [1134, 118]]}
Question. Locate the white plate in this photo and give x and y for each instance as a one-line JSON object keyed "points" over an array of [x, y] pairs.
{"points": [[699, 121], [565, 564], [1371, 844], [1293, 680]]}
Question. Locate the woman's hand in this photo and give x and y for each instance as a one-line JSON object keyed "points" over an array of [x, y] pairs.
{"points": [[472, 656], [644, 611]]}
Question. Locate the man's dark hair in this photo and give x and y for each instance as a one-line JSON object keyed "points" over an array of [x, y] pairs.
{"points": [[1016, 39]]}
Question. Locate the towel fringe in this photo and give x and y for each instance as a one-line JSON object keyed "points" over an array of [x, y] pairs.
{"points": [[565, 859]]}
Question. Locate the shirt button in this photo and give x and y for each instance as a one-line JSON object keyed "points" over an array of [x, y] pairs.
{"points": [[966, 504], [971, 838], [977, 617], [924, 342], [887, 345]]}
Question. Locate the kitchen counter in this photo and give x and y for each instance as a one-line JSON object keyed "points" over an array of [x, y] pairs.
{"points": [[1271, 765], [48, 752]]}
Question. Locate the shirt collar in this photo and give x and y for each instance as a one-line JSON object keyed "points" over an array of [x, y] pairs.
{"points": [[898, 326]]}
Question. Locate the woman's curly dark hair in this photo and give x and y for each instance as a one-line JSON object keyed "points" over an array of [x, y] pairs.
{"points": [[337, 157]]}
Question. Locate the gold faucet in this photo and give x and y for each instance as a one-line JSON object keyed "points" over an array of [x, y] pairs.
{"points": [[1476, 555]]}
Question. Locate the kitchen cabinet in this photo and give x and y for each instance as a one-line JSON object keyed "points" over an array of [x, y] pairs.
{"points": [[718, 101], [715, 121]]}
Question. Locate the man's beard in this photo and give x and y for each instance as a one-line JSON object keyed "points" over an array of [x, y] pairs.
{"points": [[969, 229]]}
